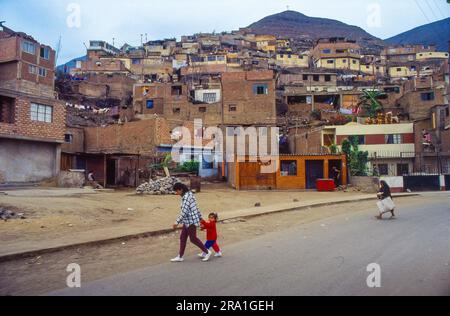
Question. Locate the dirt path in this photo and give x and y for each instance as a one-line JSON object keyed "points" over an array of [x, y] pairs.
{"points": [[50, 216], [43, 274]]}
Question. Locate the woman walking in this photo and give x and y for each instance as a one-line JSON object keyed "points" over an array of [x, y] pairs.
{"points": [[385, 194], [190, 218]]}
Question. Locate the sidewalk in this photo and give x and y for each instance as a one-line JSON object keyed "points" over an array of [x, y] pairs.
{"points": [[101, 236]]}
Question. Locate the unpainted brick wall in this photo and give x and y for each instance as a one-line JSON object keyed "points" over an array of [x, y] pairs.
{"points": [[25, 127]]}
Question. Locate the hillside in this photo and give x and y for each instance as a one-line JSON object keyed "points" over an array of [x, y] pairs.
{"points": [[296, 25], [434, 33]]}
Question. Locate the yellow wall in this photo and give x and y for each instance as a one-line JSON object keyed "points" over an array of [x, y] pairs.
{"points": [[398, 72], [264, 42], [371, 69], [283, 43], [126, 62], [301, 61], [426, 55], [213, 62], [339, 63]]}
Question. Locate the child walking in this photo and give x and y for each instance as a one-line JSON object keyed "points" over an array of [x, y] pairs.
{"points": [[211, 235]]}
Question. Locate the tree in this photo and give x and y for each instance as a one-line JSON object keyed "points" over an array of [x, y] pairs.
{"points": [[164, 164], [370, 103], [357, 160], [333, 148]]}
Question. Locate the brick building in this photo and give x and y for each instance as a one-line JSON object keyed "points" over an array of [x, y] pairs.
{"points": [[249, 98], [234, 98], [32, 120]]}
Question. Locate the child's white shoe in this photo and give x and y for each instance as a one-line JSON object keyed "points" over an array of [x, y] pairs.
{"points": [[202, 255], [207, 256], [218, 254], [177, 259]]}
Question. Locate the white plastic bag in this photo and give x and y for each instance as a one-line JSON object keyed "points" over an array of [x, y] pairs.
{"points": [[386, 205]]}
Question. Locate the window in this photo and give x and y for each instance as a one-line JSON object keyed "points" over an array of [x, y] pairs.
{"points": [[41, 113], [399, 69], [202, 109], [383, 169], [232, 108], [196, 59], [402, 169], [326, 51], [68, 138], [327, 78], [210, 97], [392, 89], [354, 61], [150, 104], [330, 61], [211, 58], [289, 168], [289, 56], [33, 69], [28, 47], [42, 72], [260, 89], [7, 110], [207, 162], [316, 78], [305, 77], [344, 61], [281, 56], [177, 90], [427, 96], [45, 53], [135, 61], [176, 111], [394, 139]]}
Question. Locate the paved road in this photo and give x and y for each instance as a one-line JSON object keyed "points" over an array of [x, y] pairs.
{"points": [[329, 257]]}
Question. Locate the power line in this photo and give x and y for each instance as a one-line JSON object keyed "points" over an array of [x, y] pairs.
{"points": [[431, 9], [439, 8], [423, 12], [439, 33]]}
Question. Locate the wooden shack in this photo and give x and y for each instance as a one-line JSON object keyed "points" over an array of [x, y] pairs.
{"points": [[293, 172]]}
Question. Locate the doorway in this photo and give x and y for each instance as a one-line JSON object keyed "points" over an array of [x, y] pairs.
{"points": [[314, 171], [111, 172], [338, 165]]}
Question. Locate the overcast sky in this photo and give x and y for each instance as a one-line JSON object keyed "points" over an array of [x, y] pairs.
{"points": [[46, 20]]}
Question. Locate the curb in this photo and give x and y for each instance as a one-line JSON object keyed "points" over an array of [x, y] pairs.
{"points": [[34, 253]]}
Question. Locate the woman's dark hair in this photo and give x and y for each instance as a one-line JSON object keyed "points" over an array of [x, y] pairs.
{"points": [[384, 184], [215, 215], [181, 187]]}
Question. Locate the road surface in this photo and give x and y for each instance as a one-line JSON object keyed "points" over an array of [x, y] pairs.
{"points": [[328, 257]]}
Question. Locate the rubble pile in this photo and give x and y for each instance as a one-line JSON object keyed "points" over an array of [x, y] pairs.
{"points": [[7, 214], [163, 186]]}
